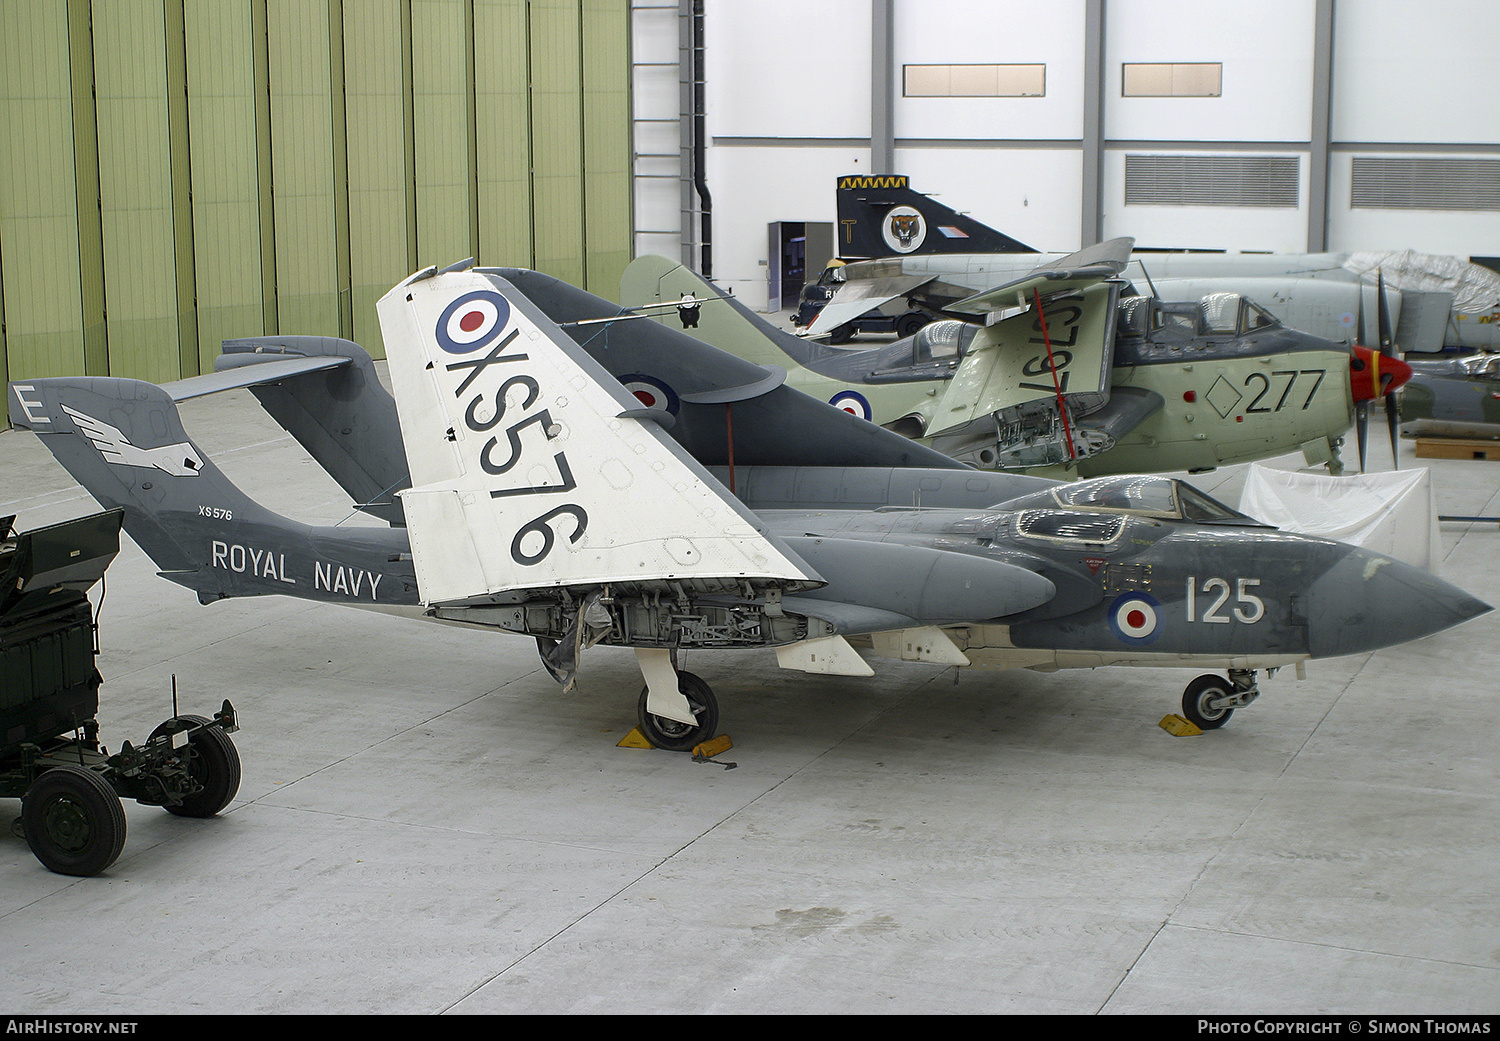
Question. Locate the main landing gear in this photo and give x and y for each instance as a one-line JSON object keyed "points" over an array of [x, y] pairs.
{"points": [[1210, 700], [678, 711]]}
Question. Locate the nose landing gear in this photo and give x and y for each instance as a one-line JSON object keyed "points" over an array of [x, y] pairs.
{"points": [[1210, 700]]}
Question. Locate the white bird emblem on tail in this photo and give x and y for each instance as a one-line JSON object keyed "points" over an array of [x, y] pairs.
{"points": [[179, 460]]}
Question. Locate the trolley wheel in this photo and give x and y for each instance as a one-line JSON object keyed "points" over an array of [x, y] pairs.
{"points": [[73, 821], [212, 761]]}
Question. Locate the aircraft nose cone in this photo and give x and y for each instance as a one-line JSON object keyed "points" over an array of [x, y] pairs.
{"points": [[1372, 374], [1368, 601]]}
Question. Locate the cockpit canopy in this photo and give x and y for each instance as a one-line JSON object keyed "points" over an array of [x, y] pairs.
{"points": [[1143, 495], [942, 341], [1217, 314]]}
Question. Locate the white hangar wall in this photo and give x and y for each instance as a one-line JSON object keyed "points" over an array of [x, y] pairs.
{"points": [[1265, 50], [790, 105], [1414, 81]]}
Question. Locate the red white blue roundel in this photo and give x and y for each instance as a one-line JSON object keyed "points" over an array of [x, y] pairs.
{"points": [[852, 403], [651, 392], [472, 321], [1134, 617]]}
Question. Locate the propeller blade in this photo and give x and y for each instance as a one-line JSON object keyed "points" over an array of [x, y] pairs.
{"points": [[1359, 331], [1362, 429], [1393, 423], [1387, 346]]}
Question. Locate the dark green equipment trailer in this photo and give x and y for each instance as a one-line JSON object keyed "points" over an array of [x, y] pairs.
{"points": [[50, 756]]}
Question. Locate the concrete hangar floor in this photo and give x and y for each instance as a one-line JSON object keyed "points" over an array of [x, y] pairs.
{"points": [[426, 825]]}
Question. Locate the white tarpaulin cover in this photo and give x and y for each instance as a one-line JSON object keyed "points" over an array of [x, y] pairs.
{"points": [[1475, 289], [1391, 513]]}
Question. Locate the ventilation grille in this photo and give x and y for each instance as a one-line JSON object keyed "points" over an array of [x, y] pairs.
{"points": [[1212, 180], [1426, 184]]}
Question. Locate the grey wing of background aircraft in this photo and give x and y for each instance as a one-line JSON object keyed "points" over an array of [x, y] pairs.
{"points": [[552, 468], [941, 256], [1453, 397]]}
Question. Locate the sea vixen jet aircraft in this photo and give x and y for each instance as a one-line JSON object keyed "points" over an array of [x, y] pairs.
{"points": [[1062, 368], [530, 492]]}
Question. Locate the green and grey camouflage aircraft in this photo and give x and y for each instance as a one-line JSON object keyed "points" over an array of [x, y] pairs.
{"points": [[1067, 372]]}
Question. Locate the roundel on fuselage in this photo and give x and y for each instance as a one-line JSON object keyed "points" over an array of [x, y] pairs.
{"points": [[853, 403]]}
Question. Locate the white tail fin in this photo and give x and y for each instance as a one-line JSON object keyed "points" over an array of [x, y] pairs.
{"points": [[532, 467]]}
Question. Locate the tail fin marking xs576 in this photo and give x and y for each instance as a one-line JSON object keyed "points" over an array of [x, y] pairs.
{"points": [[522, 449]]}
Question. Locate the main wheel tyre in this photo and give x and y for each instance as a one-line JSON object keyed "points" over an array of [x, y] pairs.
{"points": [[212, 761], [1199, 702], [676, 736], [842, 333], [73, 821]]}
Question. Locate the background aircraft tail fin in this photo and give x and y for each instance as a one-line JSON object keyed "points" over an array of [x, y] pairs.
{"points": [[719, 319], [344, 417], [881, 216], [123, 440]]}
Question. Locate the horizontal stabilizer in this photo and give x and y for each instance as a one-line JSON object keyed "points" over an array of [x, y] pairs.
{"points": [[123, 440], [246, 374], [345, 418]]}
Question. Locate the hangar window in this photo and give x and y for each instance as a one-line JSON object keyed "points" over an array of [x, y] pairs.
{"points": [[974, 81], [1173, 80]]}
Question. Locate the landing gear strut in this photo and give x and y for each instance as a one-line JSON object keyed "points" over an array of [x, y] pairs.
{"points": [[677, 710], [673, 734], [1210, 700]]}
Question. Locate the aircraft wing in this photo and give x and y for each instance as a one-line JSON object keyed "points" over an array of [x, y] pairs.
{"points": [[1072, 273], [533, 468], [857, 296], [1064, 349]]}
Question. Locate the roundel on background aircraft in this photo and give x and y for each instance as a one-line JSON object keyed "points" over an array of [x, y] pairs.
{"points": [[651, 392], [904, 229], [852, 403], [1134, 617], [472, 321]]}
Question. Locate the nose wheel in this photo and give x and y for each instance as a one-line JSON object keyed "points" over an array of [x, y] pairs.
{"points": [[1210, 701]]}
